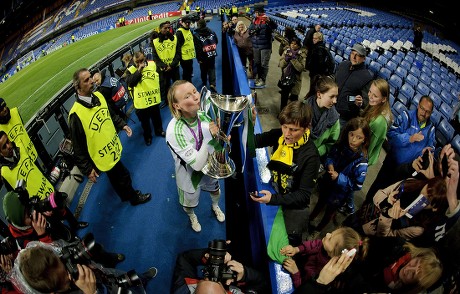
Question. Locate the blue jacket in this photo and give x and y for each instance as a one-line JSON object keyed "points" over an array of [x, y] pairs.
{"points": [[402, 151], [261, 30], [352, 169]]}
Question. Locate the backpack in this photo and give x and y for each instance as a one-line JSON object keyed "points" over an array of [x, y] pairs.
{"points": [[329, 62]]}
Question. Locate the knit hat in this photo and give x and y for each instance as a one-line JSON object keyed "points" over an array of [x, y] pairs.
{"points": [[359, 48], [259, 8], [2, 103], [13, 209]]}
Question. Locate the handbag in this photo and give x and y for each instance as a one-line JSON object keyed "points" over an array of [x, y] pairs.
{"points": [[287, 82]]}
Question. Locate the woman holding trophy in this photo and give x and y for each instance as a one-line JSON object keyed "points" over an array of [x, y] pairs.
{"points": [[293, 165], [192, 136]]}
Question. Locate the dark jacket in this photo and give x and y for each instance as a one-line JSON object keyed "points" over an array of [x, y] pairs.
{"points": [[78, 137], [318, 60], [205, 43], [308, 40], [304, 177], [261, 30], [352, 81]]}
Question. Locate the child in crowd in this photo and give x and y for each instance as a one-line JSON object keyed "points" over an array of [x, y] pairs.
{"points": [[318, 252], [346, 166], [190, 136]]}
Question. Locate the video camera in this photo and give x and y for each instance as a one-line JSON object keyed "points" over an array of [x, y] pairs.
{"points": [[216, 270], [81, 252], [55, 200], [8, 246]]}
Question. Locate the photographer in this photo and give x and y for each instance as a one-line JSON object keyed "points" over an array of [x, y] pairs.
{"points": [[26, 227], [67, 268], [217, 278]]}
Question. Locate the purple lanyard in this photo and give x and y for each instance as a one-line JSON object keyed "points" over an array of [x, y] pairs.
{"points": [[199, 140]]}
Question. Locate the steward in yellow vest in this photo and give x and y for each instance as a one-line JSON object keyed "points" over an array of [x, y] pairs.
{"points": [[11, 123], [93, 130], [17, 165], [144, 80], [166, 55], [187, 48]]}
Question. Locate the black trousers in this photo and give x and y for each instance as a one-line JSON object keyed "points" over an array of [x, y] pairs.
{"points": [[166, 79], [120, 179], [148, 114], [187, 69]]}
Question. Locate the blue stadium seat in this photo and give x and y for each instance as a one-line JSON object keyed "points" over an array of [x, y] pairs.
{"points": [[435, 87], [447, 97], [444, 132], [406, 65], [445, 85], [388, 54], [424, 78], [401, 72], [436, 99], [456, 143], [373, 55], [423, 89], [375, 67], [398, 108], [338, 59], [415, 71], [391, 66], [391, 100], [435, 77], [411, 80], [406, 93], [395, 82], [382, 60], [435, 117], [396, 59], [415, 101], [446, 110], [384, 73]]}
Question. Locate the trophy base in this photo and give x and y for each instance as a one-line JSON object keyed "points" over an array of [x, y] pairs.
{"points": [[218, 170]]}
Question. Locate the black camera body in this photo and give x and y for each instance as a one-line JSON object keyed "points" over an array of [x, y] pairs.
{"points": [[216, 270], [55, 200], [8, 246], [81, 252]]}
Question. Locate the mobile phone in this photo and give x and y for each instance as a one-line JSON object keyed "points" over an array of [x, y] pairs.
{"points": [[254, 194], [425, 159], [351, 98], [445, 166], [400, 191]]}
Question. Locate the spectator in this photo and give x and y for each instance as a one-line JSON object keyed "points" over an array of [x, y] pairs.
{"points": [[319, 61], [230, 28], [244, 44], [354, 81], [294, 167], [346, 169], [292, 63], [325, 123], [285, 41], [409, 135], [317, 253], [166, 55], [190, 136], [308, 40], [113, 91], [150, 14], [87, 152], [261, 31], [186, 278], [144, 79], [418, 38], [11, 123], [206, 51], [187, 48]]}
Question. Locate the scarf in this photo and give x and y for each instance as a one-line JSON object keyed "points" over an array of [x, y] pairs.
{"points": [[290, 69], [281, 162], [391, 273], [322, 120]]}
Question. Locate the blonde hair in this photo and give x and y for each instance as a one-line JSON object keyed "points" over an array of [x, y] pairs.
{"points": [[245, 28], [351, 239], [372, 112], [430, 266], [172, 98], [318, 35]]}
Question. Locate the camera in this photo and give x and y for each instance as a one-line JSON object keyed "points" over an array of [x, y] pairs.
{"points": [[55, 200], [445, 166], [216, 270], [81, 252], [351, 98]]}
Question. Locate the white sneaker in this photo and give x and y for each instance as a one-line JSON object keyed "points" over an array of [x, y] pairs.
{"points": [[219, 214], [260, 83], [195, 224]]}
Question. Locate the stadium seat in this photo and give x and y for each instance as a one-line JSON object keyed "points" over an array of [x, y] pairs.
{"points": [[446, 111], [406, 65], [424, 78], [391, 66], [398, 108], [373, 55], [456, 143], [411, 80], [406, 93], [436, 99], [391, 100], [395, 82], [338, 59], [447, 97], [423, 89], [401, 72], [435, 77], [415, 101], [382, 60], [375, 67], [396, 59], [384, 73], [435, 87], [445, 86], [435, 117], [444, 132], [415, 71]]}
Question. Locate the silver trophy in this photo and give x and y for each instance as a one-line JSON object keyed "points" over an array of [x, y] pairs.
{"points": [[224, 110]]}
